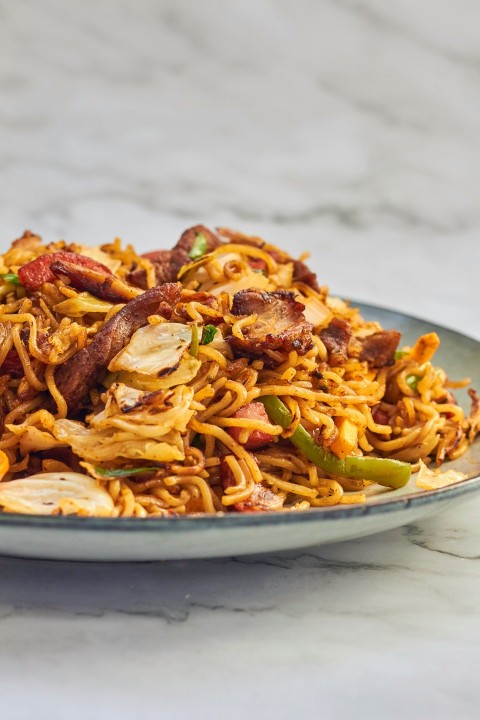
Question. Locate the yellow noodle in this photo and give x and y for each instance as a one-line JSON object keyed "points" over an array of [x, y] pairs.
{"points": [[421, 418], [62, 408], [250, 251], [204, 488], [248, 424], [6, 342], [238, 325], [212, 354], [30, 376], [289, 487], [229, 442]]}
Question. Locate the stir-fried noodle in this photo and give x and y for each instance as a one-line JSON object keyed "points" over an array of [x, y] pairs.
{"points": [[214, 377]]}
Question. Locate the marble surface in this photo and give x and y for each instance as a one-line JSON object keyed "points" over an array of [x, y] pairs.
{"points": [[346, 127]]}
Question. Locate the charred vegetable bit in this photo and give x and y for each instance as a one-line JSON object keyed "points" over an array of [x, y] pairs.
{"points": [[208, 334], [199, 247], [10, 278], [125, 472], [195, 341], [390, 473]]}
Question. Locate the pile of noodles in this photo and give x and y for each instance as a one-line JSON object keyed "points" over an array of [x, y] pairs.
{"points": [[183, 460]]}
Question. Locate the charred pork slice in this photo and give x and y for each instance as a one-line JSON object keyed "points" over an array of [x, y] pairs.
{"points": [[379, 349], [302, 273], [279, 325], [106, 287], [87, 367], [336, 337], [167, 263]]}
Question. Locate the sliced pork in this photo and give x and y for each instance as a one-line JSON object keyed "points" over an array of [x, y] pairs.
{"points": [[336, 337], [302, 273], [379, 349], [101, 284], [257, 438], [87, 367], [167, 263], [279, 324]]}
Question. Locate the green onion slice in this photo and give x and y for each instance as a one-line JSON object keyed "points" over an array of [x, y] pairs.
{"points": [[209, 332], [199, 247], [124, 472], [11, 278]]}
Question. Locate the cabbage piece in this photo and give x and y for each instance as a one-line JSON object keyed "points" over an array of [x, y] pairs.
{"points": [[284, 275], [251, 279], [316, 312], [106, 446], [36, 437], [100, 256], [433, 479], [82, 304], [33, 439], [185, 372], [47, 493], [149, 414], [134, 424], [154, 350]]}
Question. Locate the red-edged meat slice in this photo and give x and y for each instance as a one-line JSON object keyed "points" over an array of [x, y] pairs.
{"points": [[102, 285], [36, 272], [257, 438]]}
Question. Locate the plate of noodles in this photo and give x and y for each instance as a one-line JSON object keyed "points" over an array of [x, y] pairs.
{"points": [[214, 399]]}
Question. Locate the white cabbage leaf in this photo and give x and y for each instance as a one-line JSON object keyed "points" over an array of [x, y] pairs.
{"points": [[105, 446], [52, 493], [151, 415], [433, 479], [219, 344], [32, 439], [154, 350], [36, 437], [82, 304], [185, 372], [316, 312], [100, 256], [251, 279], [134, 424], [284, 275]]}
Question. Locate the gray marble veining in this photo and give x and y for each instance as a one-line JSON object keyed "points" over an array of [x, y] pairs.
{"points": [[349, 128]]}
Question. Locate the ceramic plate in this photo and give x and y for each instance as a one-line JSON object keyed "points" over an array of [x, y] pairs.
{"points": [[71, 538]]}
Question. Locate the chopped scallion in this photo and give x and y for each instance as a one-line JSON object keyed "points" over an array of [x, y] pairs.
{"points": [[209, 332], [199, 247], [124, 472], [10, 278]]}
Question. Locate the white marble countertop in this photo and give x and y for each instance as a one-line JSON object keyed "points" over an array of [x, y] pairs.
{"points": [[350, 128]]}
